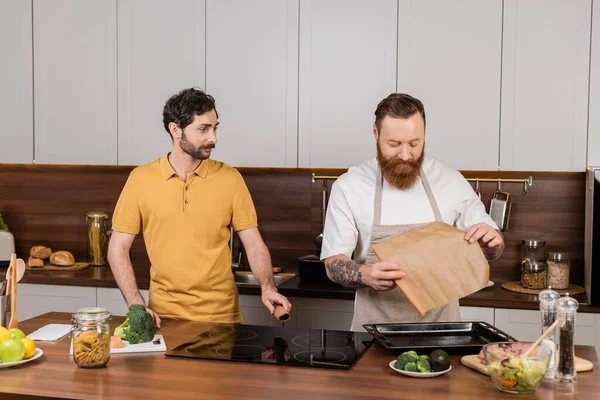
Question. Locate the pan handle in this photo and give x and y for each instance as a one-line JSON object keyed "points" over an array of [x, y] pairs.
{"points": [[372, 329], [498, 332]]}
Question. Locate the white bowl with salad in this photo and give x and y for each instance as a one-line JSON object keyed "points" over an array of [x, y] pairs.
{"points": [[513, 373]]}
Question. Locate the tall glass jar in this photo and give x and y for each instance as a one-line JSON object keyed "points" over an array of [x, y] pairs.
{"points": [[91, 337], [97, 237], [566, 375], [534, 250], [558, 266], [548, 300]]}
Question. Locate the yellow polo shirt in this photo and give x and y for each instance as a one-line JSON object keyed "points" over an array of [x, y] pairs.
{"points": [[186, 232]]}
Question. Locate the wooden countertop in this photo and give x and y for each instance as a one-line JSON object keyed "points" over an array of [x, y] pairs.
{"points": [[152, 375], [495, 296]]}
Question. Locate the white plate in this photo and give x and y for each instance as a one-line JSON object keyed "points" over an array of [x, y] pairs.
{"points": [[38, 353], [418, 374]]}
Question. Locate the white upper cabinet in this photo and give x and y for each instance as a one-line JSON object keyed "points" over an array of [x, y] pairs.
{"points": [[449, 56], [594, 108], [161, 52], [75, 75], [347, 65], [252, 72], [545, 71], [16, 90]]}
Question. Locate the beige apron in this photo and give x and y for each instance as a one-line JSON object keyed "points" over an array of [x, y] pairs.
{"points": [[375, 307]]}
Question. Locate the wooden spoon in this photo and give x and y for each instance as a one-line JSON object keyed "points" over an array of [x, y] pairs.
{"points": [[537, 342], [13, 293]]}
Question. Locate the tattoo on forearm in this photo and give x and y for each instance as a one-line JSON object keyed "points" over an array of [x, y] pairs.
{"points": [[346, 273]]}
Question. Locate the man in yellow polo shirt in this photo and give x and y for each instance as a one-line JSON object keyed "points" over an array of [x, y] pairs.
{"points": [[185, 202]]}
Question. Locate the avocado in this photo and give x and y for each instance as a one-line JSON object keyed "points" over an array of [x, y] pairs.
{"points": [[440, 360]]}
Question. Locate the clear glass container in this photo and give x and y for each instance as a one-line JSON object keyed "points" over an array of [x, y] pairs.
{"points": [[97, 237], [548, 300], [566, 375], [533, 274], [534, 250], [91, 337], [558, 266]]}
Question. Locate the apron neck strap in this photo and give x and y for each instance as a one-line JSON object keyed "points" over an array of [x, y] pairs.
{"points": [[379, 190]]}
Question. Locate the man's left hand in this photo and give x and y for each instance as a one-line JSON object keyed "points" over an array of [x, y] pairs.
{"points": [[271, 298], [485, 234]]}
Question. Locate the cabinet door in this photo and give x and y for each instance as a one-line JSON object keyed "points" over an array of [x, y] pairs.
{"points": [[16, 82], [594, 115], [113, 300], [484, 314], [330, 314], [449, 57], [34, 300], [347, 66], [526, 325], [75, 91], [161, 52], [252, 71], [545, 71], [255, 313]]}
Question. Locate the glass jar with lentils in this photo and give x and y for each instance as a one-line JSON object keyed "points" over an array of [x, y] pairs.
{"points": [[558, 267]]}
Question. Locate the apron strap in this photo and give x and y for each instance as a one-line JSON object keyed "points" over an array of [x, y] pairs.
{"points": [[377, 205], [432, 202], [379, 190]]}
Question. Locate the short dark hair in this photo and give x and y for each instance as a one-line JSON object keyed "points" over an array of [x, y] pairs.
{"points": [[398, 105], [185, 105]]}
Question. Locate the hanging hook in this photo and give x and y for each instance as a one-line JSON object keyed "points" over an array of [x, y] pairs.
{"points": [[499, 185]]}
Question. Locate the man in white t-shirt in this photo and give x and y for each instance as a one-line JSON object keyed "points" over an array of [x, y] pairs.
{"points": [[395, 192]]}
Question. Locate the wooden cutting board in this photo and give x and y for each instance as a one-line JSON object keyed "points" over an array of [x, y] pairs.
{"points": [[440, 265], [51, 267], [475, 362]]}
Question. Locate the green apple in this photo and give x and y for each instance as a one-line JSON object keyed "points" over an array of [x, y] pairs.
{"points": [[16, 333], [11, 350]]}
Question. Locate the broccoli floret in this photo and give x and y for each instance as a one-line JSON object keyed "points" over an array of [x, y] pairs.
{"points": [[410, 366], [132, 337], [423, 365], [138, 327], [407, 356]]}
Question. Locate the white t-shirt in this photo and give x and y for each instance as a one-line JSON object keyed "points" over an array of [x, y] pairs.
{"points": [[349, 219]]}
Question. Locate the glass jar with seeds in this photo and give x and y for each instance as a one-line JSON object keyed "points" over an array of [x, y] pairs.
{"points": [[533, 274], [558, 267]]}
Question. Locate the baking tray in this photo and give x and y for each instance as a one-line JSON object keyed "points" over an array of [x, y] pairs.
{"points": [[453, 337]]}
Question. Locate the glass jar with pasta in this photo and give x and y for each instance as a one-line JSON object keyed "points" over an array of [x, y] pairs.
{"points": [[91, 337], [97, 237]]}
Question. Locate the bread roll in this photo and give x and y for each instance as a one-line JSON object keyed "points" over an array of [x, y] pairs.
{"points": [[35, 262], [40, 252], [62, 258]]}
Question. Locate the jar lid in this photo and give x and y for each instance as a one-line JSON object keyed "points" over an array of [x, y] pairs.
{"points": [[92, 314], [567, 304], [533, 243], [534, 266], [96, 214], [557, 256]]}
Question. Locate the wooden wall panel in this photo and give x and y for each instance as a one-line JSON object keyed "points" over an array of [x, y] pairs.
{"points": [[46, 204]]}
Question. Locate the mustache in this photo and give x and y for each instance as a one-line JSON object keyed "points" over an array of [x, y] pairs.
{"points": [[208, 146]]}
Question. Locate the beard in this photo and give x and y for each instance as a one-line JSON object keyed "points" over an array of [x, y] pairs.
{"points": [[398, 173], [196, 152]]}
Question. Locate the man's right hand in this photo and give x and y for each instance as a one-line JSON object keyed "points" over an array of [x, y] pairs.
{"points": [[155, 316], [381, 276]]}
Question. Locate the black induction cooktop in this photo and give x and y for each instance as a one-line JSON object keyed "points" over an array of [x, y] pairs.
{"points": [[274, 345]]}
